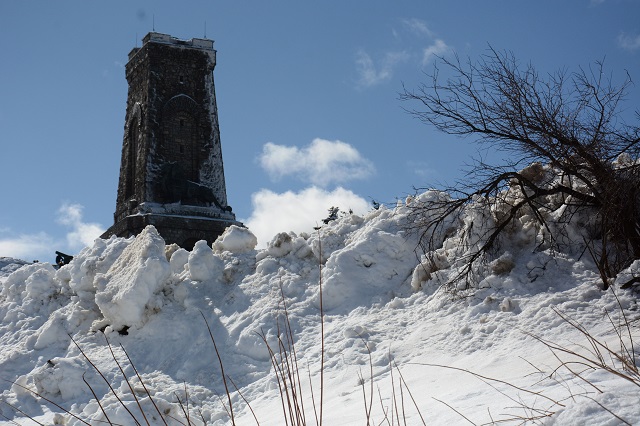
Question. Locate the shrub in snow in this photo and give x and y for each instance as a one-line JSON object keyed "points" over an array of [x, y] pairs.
{"points": [[333, 215], [130, 283], [236, 240], [334, 235], [203, 265]]}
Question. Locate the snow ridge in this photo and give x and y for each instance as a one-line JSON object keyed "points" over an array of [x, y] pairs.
{"points": [[380, 299]]}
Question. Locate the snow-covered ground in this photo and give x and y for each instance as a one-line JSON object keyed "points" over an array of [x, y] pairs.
{"points": [[395, 342]]}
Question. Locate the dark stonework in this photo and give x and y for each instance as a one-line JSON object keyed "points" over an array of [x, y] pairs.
{"points": [[171, 173]]}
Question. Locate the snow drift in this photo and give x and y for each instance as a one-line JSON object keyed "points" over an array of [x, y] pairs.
{"points": [[380, 300]]}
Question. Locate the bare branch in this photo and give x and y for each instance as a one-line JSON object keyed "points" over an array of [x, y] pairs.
{"points": [[570, 123]]}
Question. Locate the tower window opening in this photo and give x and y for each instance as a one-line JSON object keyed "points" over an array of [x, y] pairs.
{"points": [[181, 123], [181, 79], [132, 160], [181, 149]]}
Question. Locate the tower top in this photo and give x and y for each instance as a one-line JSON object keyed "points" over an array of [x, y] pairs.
{"points": [[193, 43]]}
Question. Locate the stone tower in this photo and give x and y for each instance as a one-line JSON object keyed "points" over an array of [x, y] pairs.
{"points": [[171, 172]]}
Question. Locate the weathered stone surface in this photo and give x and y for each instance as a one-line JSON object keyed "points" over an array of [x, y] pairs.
{"points": [[171, 172]]}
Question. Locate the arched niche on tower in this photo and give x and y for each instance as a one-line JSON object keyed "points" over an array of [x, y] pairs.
{"points": [[133, 133], [181, 139]]}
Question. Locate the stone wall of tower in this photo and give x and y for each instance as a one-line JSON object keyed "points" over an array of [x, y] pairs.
{"points": [[171, 119], [171, 152], [131, 187]]}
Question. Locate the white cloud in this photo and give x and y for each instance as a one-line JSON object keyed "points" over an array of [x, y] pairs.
{"points": [[297, 211], [27, 246], [629, 42], [42, 246], [438, 48], [418, 27], [82, 234], [370, 74], [421, 168], [321, 163]]}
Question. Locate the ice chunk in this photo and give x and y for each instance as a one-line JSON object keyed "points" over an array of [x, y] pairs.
{"points": [[236, 240], [129, 284]]}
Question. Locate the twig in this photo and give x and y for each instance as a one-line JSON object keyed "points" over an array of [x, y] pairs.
{"points": [[97, 399], [126, 379], [224, 379], [21, 412], [456, 411], [415, 404], [321, 327], [48, 400], [144, 386], [489, 379], [105, 380], [245, 401]]}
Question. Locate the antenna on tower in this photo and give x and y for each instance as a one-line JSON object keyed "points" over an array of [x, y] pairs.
{"points": [[205, 29], [153, 23]]}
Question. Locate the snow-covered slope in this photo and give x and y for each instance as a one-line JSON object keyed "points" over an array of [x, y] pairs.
{"points": [[382, 309], [9, 264]]}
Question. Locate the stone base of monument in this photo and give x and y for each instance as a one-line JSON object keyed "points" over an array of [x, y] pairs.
{"points": [[182, 225]]}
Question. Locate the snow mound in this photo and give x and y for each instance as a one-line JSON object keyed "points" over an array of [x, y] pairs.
{"points": [[9, 264], [374, 263], [236, 240], [126, 288], [381, 298], [203, 265], [32, 284]]}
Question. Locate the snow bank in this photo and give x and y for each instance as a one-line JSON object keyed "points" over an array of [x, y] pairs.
{"points": [[381, 298]]}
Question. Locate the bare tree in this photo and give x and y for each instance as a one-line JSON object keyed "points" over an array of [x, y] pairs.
{"points": [[571, 123]]}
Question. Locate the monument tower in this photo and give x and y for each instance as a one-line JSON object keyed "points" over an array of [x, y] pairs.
{"points": [[171, 172]]}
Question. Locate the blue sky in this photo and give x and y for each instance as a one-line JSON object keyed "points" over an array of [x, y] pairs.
{"points": [[307, 95]]}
